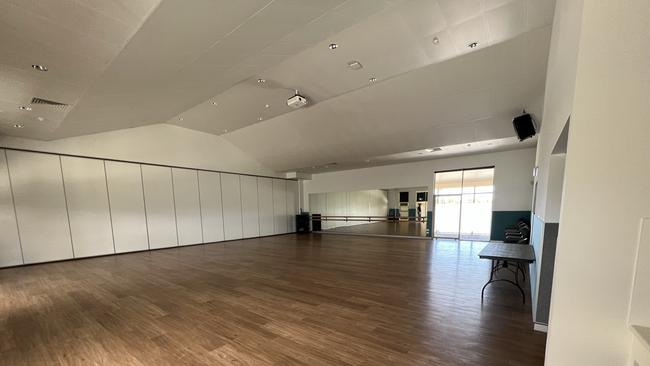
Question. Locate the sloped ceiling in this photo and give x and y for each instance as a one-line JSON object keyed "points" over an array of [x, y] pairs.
{"points": [[195, 64], [464, 100]]}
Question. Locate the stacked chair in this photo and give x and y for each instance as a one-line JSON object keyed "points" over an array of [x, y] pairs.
{"points": [[519, 233]]}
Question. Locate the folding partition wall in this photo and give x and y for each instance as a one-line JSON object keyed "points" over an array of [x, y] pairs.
{"points": [[55, 207]]}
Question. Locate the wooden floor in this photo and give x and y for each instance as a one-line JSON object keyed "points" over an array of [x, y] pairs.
{"points": [[400, 228], [284, 300]]}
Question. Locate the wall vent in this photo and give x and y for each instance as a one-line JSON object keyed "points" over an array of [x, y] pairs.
{"points": [[45, 102]]}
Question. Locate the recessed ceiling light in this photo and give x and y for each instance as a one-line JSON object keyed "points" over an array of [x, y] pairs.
{"points": [[372, 80], [18, 125], [214, 104], [260, 118], [39, 67], [267, 106], [333, 46], [473, 45], [40, 119], [435, 40], [261, 81], [355, 65], [23, 108]]}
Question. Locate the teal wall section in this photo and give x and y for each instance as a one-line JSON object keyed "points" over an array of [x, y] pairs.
{"points": [[503, 219]]}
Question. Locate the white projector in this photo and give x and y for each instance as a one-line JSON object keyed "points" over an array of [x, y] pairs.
{"points": [[297, 101]]}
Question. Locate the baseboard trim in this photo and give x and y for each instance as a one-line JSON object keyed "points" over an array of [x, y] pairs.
{"points": [[538, 327]]}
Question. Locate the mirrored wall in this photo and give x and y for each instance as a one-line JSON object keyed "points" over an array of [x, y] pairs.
{"points": [[398, 211]]}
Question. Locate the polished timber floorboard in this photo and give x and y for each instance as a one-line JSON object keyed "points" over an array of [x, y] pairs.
{"points": [[283, 300]]}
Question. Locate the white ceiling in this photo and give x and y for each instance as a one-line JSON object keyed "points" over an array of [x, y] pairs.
{"points": [[468, 99], [393, 41], [195, 63], [76, 40]]}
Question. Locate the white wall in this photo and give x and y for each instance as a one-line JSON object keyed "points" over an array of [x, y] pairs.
{"points": [[512, 177], [606, 185], [56, 207], [156, 144]]}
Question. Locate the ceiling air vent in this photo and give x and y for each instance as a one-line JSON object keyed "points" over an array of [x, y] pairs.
{"points": [[55, 105]]}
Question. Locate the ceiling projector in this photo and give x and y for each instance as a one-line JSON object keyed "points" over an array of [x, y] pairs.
{"points": [[297, 101]]}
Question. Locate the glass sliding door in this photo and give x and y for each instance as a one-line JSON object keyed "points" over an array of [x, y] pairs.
{"points": [[464, 204], [447, 191]]}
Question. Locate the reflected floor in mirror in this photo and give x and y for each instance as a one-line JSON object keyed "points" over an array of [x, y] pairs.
{"points": [[401, 228]]}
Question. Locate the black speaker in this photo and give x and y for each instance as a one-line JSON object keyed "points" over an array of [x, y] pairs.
{"points": [[524, 126], [302, 223]]}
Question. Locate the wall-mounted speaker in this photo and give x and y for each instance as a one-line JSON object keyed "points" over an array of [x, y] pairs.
{"points": [[524, 126]]}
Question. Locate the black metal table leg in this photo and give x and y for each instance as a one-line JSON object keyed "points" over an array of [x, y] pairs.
{"points": [[494, 269]]}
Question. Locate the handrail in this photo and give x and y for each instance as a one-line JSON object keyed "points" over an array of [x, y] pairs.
{"points": [[366, 218]]}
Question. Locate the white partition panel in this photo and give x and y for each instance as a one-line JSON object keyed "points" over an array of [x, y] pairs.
{"points": [[40, 206], [292, 205], [336, 206], [86, 193], [250, 207], [265, 193], [211, 208], [125, 196], [280, 206], [10, 252], [159, 204], [188, 209], [232, 209]]}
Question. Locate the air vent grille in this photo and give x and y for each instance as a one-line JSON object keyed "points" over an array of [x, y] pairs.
{"points": [[50, 103]]}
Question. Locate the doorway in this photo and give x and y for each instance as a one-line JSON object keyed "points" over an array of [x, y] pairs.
{"points": [[463, 204]]}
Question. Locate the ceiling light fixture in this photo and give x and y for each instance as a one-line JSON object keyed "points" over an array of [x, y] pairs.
{"points": [[39, 67], [40, 119], [267, 106], [473, 45], [372, 80], [23, 108], [260, 118], [355, 65], [261, 81], [18, 125], [428, 150], [435, 40], [214, 104], [333, 46]]}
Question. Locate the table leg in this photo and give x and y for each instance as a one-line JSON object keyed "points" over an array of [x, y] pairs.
{"points": [[494, 268]]}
